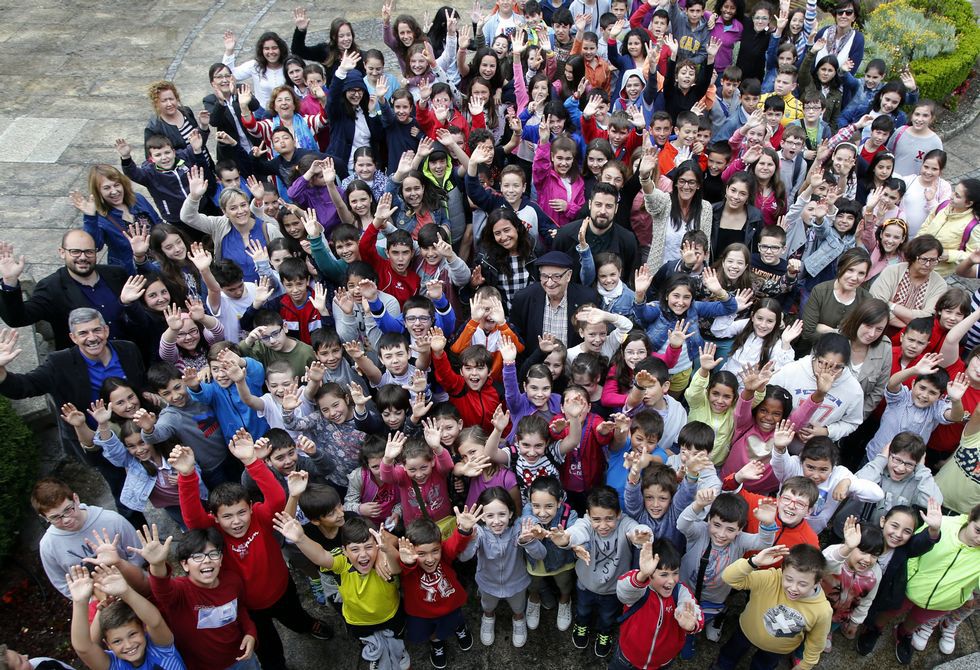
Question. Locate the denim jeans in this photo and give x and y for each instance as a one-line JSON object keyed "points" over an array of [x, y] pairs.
{"points": [[605, 608], [250, 663]]}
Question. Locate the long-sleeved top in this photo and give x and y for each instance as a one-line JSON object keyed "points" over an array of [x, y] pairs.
{"points": [[785, 466], [361, 325], [342, 441], [551, 186], [695, 529], [557, 559], [657, 205], [476, 407], [658, 323], [850, 592], [402, 287], [194, 425], [518, 404], [958, 232], [914, 489], [318, 198], [774, 623], [170, 352], [610, 555], [841, 411], [434, 491], [822, 307], [431, 595], [501, 569], [651, 636], [167, 187], [886, 285], [109, 230], [263, 82], [903, 415], [891, 586], [946, 576], [491, 341], [255, 555], [699, 409], [691, 42], [228, 406]]}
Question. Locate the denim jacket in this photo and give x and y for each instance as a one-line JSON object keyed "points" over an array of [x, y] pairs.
{"points": [[658, 324], [825, 246], [555, 557]]}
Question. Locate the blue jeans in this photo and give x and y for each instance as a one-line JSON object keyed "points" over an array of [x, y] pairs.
{"points": [[619, 661], [605, 608], [251, 663], [737, 647]]}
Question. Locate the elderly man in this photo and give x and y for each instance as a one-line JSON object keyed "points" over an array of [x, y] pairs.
{"points": [[80, 283], [548, 306], [601, 233], [75, 376]]}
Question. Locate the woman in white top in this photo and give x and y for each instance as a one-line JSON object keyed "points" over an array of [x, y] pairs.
{"points": [[925, 190], [265, 71]]}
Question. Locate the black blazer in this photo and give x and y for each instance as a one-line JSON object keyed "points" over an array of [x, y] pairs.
{"points": [[54, 298], [753, 225], [622, 243], [64, 374], [527, 313], [157, 126], [222, 120]]}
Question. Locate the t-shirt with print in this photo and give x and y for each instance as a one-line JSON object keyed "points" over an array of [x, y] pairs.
{"points": [[546, 466]]}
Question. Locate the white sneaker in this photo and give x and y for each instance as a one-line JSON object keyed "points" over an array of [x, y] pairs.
{"points": [[920, 638], [712, 630], [486, 630], [564, 615], [947, 639], [405, 662], [829, 643], [533, 615], [520, 632]]}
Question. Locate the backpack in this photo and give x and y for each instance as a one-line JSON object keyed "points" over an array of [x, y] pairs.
{"points": [[966, 231], [521, 485]]}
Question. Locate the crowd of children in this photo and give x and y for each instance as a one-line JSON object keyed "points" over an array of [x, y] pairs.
{"points": [[629, 304]]}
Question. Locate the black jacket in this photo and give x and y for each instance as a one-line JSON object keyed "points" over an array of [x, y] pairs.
{"points": [[157, 126], [222, 120], [618, 240], [54, 298], [753, 224], [891, 588], [527, 313]]}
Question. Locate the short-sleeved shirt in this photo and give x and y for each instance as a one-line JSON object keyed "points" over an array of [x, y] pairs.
{"points": [[156, 658], [368, 599]]}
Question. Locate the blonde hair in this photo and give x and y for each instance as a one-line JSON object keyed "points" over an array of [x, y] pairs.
{"points": [[95, 176]]}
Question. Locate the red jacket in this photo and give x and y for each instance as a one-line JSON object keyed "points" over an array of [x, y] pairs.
{"points": [[591, 131], [402, 287], [299, 321], [589, 451], [651, 636], [429, 124], [255, 556], [475, 407], [430, 596]]}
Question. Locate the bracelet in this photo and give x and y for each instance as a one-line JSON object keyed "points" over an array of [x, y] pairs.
{"points": [[752, 563]]}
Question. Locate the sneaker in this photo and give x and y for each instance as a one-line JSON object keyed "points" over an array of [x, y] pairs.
{"points": [[580, 636], [867, 640], [565, 615], [533, 615], [920, 638], [519, 632], [903, 648], [437, 653], [464, 638], [712, 629], [486, 630], [947, 639], [603, 644], [316, 588], [321, 630]]}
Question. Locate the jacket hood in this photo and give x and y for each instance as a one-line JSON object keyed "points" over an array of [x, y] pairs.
{"points": [[632, 72]]}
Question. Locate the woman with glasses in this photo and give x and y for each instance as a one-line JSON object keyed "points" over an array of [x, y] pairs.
{"points": [[954, 224], [675, 213], [843, 40], [912, 288], [832, 300]]}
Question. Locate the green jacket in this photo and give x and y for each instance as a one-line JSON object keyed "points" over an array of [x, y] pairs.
{"points": [[945, 578]]}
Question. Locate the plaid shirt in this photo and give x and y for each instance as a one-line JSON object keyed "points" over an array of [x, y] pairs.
{"points": [[510, 284], [556, 318]]}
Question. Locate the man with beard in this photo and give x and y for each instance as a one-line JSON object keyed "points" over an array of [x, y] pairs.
{"points": [[601, 234], [75, 376], [80, 283]]}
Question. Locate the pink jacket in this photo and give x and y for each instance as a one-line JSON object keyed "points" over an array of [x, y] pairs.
{"points": [[550, 187]]}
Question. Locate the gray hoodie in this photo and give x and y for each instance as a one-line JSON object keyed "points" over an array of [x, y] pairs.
{"points": [[916, 489], [611, 556], [501, 571], [194, 425]]}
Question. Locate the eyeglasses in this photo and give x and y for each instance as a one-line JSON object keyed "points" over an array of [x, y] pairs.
{"points": [[56, 518], [761, 17], [845, 12], [553, 277], [76, 253], [769, 247], [793, 503], [928, 262], [687, 182], [213, 555], [269, 337], [185, 335], [908, 465], [417, 319]]}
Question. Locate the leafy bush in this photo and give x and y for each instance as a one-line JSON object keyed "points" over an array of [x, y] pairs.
{"points": [[18, 469], [940, 76], [898, 33]]}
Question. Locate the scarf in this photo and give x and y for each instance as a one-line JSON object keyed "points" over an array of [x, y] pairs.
{"points": [[301, 131], [610, 296], [913, 297]]}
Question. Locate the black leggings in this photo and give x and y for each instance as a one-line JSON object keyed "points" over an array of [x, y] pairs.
{"points": [[288, 611]]}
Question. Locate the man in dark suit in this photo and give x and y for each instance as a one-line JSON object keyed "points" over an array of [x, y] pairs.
{"points": [[80, 283], [226, 112], [548, 306], [601, 233], [75, 376]]}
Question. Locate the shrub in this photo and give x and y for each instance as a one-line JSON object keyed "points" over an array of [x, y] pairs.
{"points": [[18, 470], [940, 76], [897, 33]]}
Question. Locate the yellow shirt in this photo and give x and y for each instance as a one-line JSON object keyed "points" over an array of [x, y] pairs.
{"points": [[948, 227], [368, 599], [773, 622]]}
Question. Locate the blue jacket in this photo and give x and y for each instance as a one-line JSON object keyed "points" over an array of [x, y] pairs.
{"points": [[555, 556], [665, 526], [445, 317], [825, 247], [232, 413], [168, 187], [342, 124], [109, 230], [398, 136], [658, 324], [404, 220], [139, 483]]}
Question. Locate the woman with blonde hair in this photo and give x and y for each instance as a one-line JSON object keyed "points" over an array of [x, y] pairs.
{"points": [[171, 118], [110, 210]]}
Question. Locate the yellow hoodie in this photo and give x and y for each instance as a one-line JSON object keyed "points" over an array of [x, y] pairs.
{"points": [[774, 623]]}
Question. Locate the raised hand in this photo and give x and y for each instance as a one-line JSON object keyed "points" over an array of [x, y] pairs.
{"points": [[507, 349], [770, 555], [151, 548], [123, 149], [300, 18], [145, 420], [72, 415], [406, 551], [133, 289], [242, 446], [929, 364], [642, 280], [80, 584], [703, 498], [765, 512], [292, 399], [791, 332], [296, 482], [82, 204], [182, 460], [957, 387], [394, 446], [11, 266], [100, 413], [706, 356], [105, 548], [500, 419], [933, 516], [852, 533], [750, 472], [430, 431], [783, 435], [437, 340], [648, 561], [287, 526], [475, 465], [197, 183]]}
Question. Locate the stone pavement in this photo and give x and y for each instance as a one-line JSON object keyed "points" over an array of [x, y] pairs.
{"points": [[74, 76]]}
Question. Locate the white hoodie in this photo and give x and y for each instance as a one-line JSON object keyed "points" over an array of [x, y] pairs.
{"points": [[842, 410]]}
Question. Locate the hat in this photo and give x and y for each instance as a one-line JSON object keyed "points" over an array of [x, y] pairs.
{"points": [[555, 259], [354, 79], [438, 151]]}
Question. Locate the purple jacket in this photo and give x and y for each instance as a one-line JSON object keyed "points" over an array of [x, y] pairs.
{"points": [[306, 195], [517, 402]]}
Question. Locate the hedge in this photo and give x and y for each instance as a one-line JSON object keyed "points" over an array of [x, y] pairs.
{"points": [[18, 470], [938, 77]]}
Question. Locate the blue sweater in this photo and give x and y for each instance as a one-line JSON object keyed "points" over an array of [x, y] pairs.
{"points": [[228, 406]]}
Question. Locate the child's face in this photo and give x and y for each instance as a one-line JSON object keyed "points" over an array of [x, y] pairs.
{"points": [[633, 87], [206, 572], [593, 336], [634, 352], [418, 63], [283, 460], [784, 84], [728, 87], [531, 446], [362, 555], [374, 465], [393, 417], [843, 161], [913, 343], [534, 61], [604, 520], [219, 375], [127, 642], [334, 408], [335, 518], [617, 136], [296, 289], [817, 471], [861, 561], [594, 161], [679, 300], [538, 391], [694, 14], [137, 448], [703, 136], [654, 395], [330, 355], [826, 72], [792, 508], [768, 414], [590, 384], [663, 581], [685, 77], [656, 501], [609, 276], [687, 134], [438, 167], [950, 316], [275, 337], [418, 469], [360, 204], [661, 131], [889, 102], [716, 164], [791, 146], [295, 74], [235, 519], [639, 439], [429, 556], [512, 188], [772, 117], [475, 376], [722, 533], [750, 102], [898, 529], [314, 79], [395, 359], [469, 450], [449, 429], [755, 135], [734, 264], [556, 363], [924, 394], [496, 517], [562, 161], [544, 506], [618, 9], [721, 398], [562, 31], [400, 257], [164, 157], [173, 246], [589, 49], [124, 402], [798, 584], [763, 322], [284, 143], [347, 251], [278, 383], [402, 107], [658, 26], [175, 393], [293, 227], [429, 254]]}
